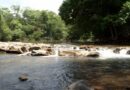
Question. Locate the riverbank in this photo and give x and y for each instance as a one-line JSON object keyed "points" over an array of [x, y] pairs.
{"points": [[42, 49]]}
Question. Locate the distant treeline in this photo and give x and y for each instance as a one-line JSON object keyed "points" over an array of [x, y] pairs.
{"points": [[17, 24], [78, 20]]}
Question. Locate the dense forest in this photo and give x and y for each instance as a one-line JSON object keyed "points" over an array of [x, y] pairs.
{"points": [[78, 20], [97, 20]]}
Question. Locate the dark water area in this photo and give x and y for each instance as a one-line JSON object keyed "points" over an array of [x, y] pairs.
{"points": [[57, 73]]}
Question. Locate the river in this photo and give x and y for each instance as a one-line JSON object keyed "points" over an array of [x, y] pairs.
{"points": [[57, 73]]}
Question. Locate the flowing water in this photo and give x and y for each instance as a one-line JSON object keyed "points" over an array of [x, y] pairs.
{"points": [[57, 73]]}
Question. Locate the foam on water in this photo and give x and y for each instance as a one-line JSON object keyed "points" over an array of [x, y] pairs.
{"points": [[108, 53]]}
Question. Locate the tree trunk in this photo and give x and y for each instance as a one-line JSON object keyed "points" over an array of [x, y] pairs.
{"points": [[112, 33]]}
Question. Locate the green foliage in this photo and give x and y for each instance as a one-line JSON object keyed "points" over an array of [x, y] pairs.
{"points": [[5, 32], [30, 25], [18, 35], [105, 20]]}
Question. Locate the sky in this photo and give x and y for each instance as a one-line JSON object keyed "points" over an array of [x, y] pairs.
{"points": [[51, 5]]}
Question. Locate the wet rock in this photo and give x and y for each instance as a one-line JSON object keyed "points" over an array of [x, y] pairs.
{"points": [[23, 77], [97, 48], [67, 53], [74, 48], [49, 50], [2, 50], [88, 49], [82, 53], [39, 53], [83, 46], [34, 48], [14, 50], [117, 50], [24, 49], [128, 52], [80, 85], [93, 54]]}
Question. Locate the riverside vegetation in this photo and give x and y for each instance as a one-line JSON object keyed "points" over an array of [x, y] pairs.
{"points": [[91, 21]]}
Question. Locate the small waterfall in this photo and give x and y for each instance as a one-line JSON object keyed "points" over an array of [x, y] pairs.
{"points": [[108, 53], [123, 51], [56, 51]]}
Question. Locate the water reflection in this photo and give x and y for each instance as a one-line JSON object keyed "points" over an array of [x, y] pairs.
{"points": [[56, 73]]}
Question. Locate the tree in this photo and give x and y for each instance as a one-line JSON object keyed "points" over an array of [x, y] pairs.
{"points": [[54, 27], [101, 18], [31, 25], [5, 33]]}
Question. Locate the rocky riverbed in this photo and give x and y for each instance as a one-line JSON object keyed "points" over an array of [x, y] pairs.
{"points": [[63, 73], [41, 49]]}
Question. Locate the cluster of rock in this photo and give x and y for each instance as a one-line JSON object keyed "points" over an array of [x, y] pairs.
{"points": [[25, 48], [20, 48], [45, 49], [61, 50], [121, 49]]}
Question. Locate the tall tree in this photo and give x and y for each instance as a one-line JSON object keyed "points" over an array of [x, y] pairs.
{"points": [[98, 17]]}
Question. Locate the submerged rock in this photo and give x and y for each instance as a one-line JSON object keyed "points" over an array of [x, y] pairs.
{"points": [[80, 85], [93, 54], [23, 77]]}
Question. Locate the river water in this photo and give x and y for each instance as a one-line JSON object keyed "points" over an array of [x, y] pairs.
{"points": [[57, 73]]}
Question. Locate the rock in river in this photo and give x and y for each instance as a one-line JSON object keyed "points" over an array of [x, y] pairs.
{"points": [[93, 54], [23, 77], [128, 52], [117, 50], [80, 85], [39, 53]]}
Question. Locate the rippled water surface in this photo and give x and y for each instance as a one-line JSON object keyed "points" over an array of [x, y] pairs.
{"points": [[56, 73]]}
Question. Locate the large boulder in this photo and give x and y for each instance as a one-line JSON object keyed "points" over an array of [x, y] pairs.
{"points": [[93, 54], [80, 85], [39, 53]]}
